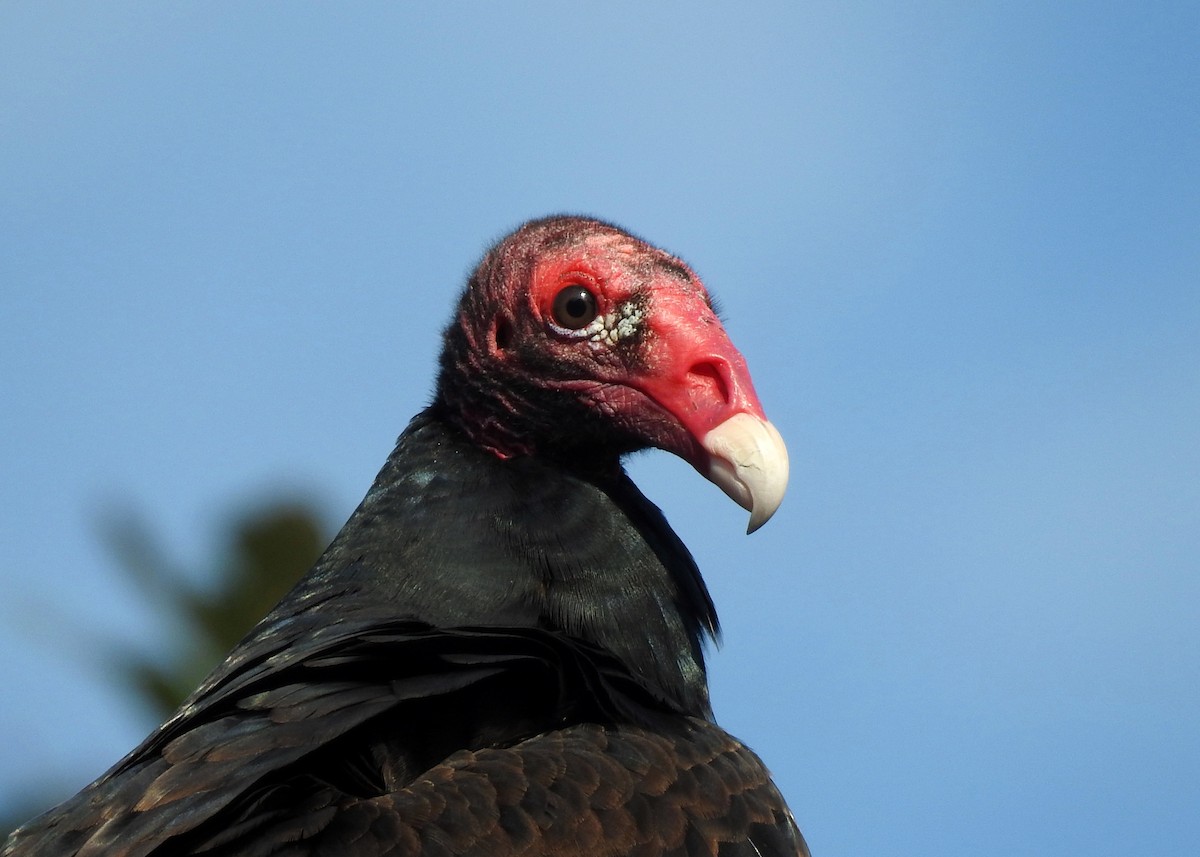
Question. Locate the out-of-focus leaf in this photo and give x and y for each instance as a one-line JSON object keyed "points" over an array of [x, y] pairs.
{"points": [[258, 557]]}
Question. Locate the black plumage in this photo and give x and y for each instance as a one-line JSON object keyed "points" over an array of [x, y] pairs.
{"points": [[501, 651]]}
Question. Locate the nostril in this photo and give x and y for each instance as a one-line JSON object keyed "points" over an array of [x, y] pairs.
{"points": [[705, 379]]}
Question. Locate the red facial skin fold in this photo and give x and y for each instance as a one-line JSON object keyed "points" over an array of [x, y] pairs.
{"points": [[688, 367], [650, 362]]}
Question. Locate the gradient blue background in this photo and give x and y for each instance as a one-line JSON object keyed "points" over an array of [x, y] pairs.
{"points": [[958, 243]]}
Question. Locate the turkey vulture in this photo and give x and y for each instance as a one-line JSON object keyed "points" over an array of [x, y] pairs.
{"points": [[501, 651]]}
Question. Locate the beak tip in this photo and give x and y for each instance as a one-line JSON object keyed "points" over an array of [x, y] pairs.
{"points": [[757, 519]]}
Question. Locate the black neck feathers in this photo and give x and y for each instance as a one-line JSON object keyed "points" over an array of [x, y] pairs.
{"points": [[452, 535]]}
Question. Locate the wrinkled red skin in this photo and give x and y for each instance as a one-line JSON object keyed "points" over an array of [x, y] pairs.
{"points": [[672, 374]]}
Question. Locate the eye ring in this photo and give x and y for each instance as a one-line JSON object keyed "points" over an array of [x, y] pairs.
{"points": [[574, 307]]}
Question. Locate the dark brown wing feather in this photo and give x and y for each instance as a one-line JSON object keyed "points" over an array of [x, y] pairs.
{"points": [[354, 749], [584, 790]]}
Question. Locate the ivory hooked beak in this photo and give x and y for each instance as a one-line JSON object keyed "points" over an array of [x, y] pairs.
{"points": [[748, 461]]}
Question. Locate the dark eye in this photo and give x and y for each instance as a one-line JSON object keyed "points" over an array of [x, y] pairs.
{"points": [[574, 307]]}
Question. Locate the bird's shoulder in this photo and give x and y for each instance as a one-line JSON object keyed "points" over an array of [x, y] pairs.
{"points": [[358, 707], [682, 789]]}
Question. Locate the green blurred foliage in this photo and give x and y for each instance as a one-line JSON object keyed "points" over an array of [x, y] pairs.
{"points": [[259, 556], [263, 553]]}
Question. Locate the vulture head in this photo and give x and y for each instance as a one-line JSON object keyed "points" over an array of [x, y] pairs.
{"points": [[579, 342]]}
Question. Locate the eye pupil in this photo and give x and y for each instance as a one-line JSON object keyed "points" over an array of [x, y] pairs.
{"points": [[574, 307]]}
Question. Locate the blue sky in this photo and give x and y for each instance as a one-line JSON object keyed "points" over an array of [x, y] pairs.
{"points": [[959, 245]]}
